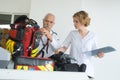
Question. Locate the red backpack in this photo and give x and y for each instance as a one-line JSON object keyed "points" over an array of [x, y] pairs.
{"points": [[24, 39]]}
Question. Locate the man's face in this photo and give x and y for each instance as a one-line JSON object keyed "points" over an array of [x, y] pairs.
{"points": [[48, 22]]}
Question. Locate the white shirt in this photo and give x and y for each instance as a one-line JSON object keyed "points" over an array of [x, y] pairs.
{"points": [[79, 45], [51, 47]]}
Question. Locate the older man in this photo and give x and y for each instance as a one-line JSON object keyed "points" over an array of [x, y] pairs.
{"points": [[49, 41]]}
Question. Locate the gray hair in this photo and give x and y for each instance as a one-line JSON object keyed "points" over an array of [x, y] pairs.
{"points": [[49, 14]]}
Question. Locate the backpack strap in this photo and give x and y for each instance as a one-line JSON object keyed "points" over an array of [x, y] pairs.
{"points": [[45, 45], [41, 51]]}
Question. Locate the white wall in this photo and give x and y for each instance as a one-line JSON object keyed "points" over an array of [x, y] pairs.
{"points": [[105, 21], [14, 6]]}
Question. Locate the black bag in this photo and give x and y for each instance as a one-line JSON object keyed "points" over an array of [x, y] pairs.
{"points": [[72, 67], [63, 62]]}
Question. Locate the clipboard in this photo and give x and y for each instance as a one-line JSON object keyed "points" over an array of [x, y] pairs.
{"points": [[106, 49]]}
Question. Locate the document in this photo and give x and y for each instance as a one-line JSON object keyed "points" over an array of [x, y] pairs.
{"points": [[106, 49]]}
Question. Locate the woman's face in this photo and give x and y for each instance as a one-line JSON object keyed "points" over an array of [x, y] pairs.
{"points": [[77, 23]]}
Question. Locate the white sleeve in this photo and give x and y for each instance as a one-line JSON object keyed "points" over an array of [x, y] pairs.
{"points": [[67, 41], [55, 42], [95, 43]]}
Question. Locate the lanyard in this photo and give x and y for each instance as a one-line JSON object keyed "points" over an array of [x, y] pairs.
{"points": [[42, 50], [44, 45]]}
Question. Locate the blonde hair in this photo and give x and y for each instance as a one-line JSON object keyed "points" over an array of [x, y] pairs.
{"points": [[82, 17]]}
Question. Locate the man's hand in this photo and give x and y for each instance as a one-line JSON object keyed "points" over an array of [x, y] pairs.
{"points": [[46, 33]]}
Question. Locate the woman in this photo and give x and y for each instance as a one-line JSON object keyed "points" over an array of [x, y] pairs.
{"points": [[80, 41]]}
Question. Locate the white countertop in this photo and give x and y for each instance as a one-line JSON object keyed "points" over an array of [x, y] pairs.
{"points": [[11, 74]]}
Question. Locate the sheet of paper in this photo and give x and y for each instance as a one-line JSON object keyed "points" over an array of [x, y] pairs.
{"points": [[106, 49]]}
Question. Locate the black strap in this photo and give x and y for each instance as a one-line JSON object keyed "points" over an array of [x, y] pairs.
{"points": [[41, 51], [45, 45]]}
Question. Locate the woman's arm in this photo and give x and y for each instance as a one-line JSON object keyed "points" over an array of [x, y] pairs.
{"points": [[62, 49]]}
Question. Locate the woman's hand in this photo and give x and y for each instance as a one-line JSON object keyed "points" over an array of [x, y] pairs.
{"points": [[100, 54], [62, 49], [58, 50]]}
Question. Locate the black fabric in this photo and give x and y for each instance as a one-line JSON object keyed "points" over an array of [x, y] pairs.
{"points": [[61, 58], [33, 23], [18, 50], [19, 35], [21, 19], [36, 39], [70, 67], [90, 77], [82, 68], [42, 50], [63, 63]]}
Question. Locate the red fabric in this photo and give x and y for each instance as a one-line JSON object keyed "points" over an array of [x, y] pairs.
{"points": [[27, 40]]}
